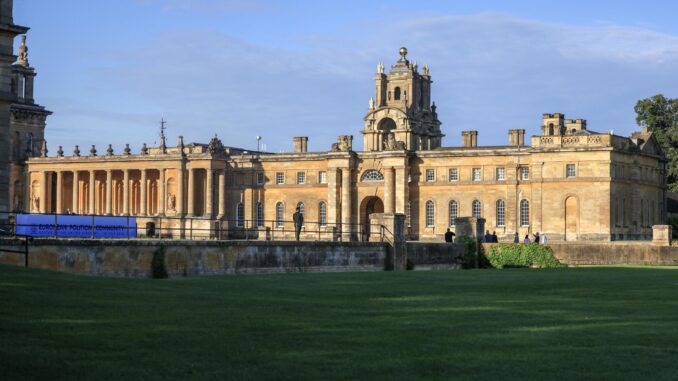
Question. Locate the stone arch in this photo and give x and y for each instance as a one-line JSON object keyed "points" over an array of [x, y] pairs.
{"points": [[369, 205], [571, 218]]}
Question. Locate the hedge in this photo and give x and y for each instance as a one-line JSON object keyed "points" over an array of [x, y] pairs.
{"points": [[522, 255]]}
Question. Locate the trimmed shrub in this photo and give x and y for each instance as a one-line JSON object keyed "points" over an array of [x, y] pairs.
{"points": [[158, 267], [522, 255]]}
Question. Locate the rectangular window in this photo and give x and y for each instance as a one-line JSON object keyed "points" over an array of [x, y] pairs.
{"points": [[500, 174], [280, 178], [454, 174], [430, 175], [570, 170], [260, 214], [475, 174], [524, 173], [301, 177], [322, 177], [260, 178]]}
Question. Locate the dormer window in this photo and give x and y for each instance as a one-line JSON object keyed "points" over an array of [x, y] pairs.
{"points": [[396, 93]]}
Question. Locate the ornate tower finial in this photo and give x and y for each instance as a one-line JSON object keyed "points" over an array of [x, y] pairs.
{"points": [[60, 152], [76, 151], [109, 150], [403, 53], [23, 53], [43, 150], [163, 142], [93, 151]]}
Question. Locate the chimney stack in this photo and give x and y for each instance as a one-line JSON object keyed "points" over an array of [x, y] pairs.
{"points": [[300, 143], [469, 138], [517, 137]]}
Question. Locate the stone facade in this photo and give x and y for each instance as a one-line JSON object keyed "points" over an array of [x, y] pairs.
{"points": [[571, 183], [9, 91]]}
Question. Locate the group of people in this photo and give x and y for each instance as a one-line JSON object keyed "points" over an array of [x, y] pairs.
{"points": [[492, 238], [537, 238]]}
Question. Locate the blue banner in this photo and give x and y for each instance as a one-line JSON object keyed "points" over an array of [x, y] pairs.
{"points": [[70, 226]]}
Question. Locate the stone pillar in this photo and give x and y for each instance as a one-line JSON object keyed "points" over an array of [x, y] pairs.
{"points": [[346, 204], [661, 235], [161, 192], [332, 196], [59, 191], [191, 192], [43, 192], [92, 193], [109, 192], [180, 191], [143, 192], [209, 189], [222, 193], [76, 193], [389, 190], [125, 192]]}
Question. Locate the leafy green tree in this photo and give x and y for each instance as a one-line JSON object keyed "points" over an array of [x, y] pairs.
{"points": [[660, 115]]}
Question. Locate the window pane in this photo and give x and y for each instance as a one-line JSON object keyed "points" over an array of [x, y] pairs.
{"points": [[500, 213], [279, 214], [322, 214], [430, 213], [524, 213], [322, 177], [453, 213], [454, 175], [475, 207], [476, 174], [430, 175], [500, 174]]}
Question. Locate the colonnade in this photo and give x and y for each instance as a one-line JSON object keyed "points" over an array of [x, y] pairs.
{"points": [[125, 192]]}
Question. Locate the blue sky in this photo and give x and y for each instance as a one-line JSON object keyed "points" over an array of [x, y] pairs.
{"points": [[239, 68]]}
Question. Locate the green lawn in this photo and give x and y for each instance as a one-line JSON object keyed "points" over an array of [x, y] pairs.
{"points": [[522, 324]]}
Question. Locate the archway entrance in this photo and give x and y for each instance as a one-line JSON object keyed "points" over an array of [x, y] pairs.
{"points": [[369, 205], [571, 218]]}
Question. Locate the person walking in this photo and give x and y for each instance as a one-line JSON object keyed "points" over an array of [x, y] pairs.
{"points": [[495, 239], [516, 238], [449, 236], [527, 238], [488, 237], [298, 222], [536, 238], [543, 239]]}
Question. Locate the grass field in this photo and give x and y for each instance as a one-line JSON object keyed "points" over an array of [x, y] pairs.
{"points": [[518, 324]]}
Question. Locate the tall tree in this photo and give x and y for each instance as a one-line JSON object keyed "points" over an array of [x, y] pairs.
{"points": [[660, 115]]}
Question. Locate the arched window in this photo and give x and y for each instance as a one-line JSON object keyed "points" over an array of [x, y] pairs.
{"points": [[302, 207], [430, 214], [239, 215], [396, 93], [476, 209], [372, 175], [454, 211], [279, 214], [260, 214], [322, 214], [524, 213], [500, 213]]}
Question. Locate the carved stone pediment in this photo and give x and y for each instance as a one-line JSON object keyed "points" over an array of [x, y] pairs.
{"points": [[215, 147]]}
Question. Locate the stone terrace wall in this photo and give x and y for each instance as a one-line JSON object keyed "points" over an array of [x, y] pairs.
{"points": [[133, 258], [614, 253], [435, 256]]}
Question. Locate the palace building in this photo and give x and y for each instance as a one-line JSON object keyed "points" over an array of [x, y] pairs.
{"points": [[569, 182]]}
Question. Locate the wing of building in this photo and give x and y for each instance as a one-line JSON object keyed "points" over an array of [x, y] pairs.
{"points": [[570, 183]]}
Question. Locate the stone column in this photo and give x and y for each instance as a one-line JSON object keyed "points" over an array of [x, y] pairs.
{"points": [[332, 196], [92, 192], [161, 192], [143, 210], [209, 208], [222, 193], [389, 190], [125, 192], [180, 191], [109, 192], [59, 194], [76, 193], [346, 203], [43, 192], [191, 192]]}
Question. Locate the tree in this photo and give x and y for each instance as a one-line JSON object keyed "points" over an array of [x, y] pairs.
{"points": [[660, 115]]}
